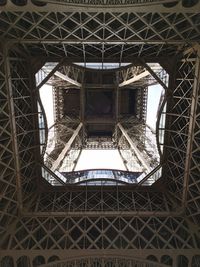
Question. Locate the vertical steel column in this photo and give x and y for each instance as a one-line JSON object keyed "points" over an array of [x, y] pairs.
{"points": [[82, 107], [8, 83], [192, 121], [117, 98], [8, 187]]}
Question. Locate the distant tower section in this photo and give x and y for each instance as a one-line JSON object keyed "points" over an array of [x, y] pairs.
{"points": [[101, 109]]}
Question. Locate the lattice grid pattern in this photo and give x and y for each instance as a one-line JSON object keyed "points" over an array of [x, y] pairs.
{"points": [[99, 36], [177, 128], [102, 200], [102, 233], [8, 189], [193, 200]]}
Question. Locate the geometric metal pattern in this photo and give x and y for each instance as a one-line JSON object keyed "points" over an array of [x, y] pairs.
{"points": [[99, 199], [101, 233], [192, 198], [8, 195], [138, 221], [79, 35], [179, 133]]}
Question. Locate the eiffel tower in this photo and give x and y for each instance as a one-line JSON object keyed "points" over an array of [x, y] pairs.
{"points": [[100, 57]]}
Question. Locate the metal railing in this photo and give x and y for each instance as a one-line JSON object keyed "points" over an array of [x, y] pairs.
{"points": [[151, 177], [86, 176], [101, 177]]}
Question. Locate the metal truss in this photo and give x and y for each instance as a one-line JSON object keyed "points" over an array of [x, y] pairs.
{"points": [[66, 148], [100, 143], [191, 181], [102, 199], [58, 98], [178, 123], [131, 74], [70, 74], [38, 219], [139, 139], [78, 36], [8, 196], [155, 27], [58, 233], [134, 148], [63, 138], [142, 74], [26, 120]]}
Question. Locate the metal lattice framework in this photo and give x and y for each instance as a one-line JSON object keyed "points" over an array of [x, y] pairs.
{"points": [[39, 221]]}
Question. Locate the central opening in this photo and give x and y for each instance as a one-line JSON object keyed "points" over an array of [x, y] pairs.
{"points": [[101, 119]]}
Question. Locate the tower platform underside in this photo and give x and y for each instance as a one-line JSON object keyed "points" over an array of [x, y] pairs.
{"points": [[80, 224]]}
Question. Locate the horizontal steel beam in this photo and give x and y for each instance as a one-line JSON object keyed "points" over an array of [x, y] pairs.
{"points": [[97, 41], [97, 6], [104, 213]]}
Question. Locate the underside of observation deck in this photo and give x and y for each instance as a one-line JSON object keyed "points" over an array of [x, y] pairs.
{"points": [[73, 224]]}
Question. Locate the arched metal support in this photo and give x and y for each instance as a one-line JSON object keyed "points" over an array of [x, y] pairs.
{"points": [[104, 260]]}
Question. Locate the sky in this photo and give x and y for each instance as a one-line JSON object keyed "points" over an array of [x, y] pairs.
{"points": [[46, 95], [154, 93], [99, 159]]}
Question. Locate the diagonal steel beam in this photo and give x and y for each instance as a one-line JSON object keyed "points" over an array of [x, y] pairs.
{"points": [[66, 148], [135, 78], [133, 146], [156, 77], [45, 80], [67, 78]]}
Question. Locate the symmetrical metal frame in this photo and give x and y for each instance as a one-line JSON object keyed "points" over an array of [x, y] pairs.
{"points": [[37, 220]]}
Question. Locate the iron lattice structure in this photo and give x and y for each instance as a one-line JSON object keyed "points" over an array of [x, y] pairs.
{"points": [[40, 223]]}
